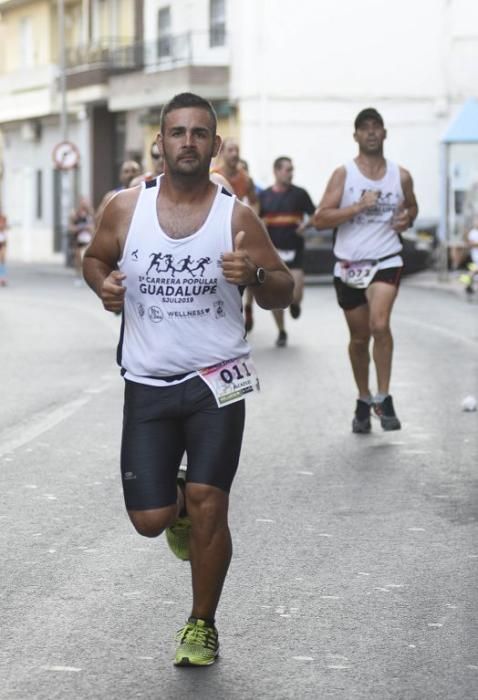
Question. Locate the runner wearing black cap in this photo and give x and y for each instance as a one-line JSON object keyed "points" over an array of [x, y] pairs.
{"points": [[369, 202]]}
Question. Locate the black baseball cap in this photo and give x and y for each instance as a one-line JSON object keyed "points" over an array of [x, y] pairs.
{"points": [[368, 113]]}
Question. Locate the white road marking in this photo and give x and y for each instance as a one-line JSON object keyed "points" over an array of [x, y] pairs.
{"points": [[264, 520], [43, 421], [422, 325], [416, 529], [303, 658], [435, 624], [71, 669], [306, 473]]}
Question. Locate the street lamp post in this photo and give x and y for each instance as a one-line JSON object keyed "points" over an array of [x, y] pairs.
{"points": [[65, 180]]}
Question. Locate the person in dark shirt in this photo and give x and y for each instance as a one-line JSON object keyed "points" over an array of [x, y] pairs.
{"points": [[284, 208]]}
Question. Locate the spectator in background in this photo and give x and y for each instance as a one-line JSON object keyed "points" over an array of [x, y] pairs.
{"points": [[157, 166], [229, 166], [81, 226], [128, 171]]}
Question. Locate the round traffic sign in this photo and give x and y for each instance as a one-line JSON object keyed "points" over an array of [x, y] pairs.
{"points": [[66, 155]]}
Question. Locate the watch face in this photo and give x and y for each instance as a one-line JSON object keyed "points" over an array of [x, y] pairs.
{"points": [[261, 275]]}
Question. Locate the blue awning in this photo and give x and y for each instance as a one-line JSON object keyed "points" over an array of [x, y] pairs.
{"points": [[464, 128]]}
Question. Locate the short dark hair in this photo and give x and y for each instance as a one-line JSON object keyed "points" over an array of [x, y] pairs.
{"points": [[368, 113], [280, 160], [188, 99]]}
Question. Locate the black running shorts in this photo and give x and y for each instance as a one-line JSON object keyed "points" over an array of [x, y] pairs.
{"points": [[297, 263], [160, 424], [350, 298]]}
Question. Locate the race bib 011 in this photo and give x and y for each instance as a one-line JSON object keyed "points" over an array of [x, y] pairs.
{"points": [[231, 380], [358, 274]]}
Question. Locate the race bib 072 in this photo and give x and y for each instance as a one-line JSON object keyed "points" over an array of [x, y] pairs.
{"points": [[358, 274]]}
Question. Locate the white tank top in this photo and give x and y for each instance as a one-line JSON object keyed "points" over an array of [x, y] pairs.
{"points": [[180, 314], [369, 235]]}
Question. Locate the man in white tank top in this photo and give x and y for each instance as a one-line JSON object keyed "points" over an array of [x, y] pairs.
{"points": [[369, 202], [173, 256]]}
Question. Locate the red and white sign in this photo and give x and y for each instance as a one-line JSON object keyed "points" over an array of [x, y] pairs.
{"points": [[66, 155]]}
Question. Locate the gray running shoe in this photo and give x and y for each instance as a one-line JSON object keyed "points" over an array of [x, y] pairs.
{"points": [[361, 421], [281, 341], [386, 412]]}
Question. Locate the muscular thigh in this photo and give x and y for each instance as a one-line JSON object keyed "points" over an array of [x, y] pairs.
{"points": [[152, 445], [213, 437]]}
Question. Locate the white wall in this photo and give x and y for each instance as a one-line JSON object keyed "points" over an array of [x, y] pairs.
{"points": [[302, 71], [31, 238]]}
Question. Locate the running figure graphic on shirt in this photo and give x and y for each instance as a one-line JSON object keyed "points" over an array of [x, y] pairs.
{"points": [[156, 261], [201, 264], [187, 264]]}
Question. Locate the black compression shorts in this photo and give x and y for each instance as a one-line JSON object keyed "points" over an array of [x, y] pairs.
{"points": [[350, 298], [160, 424]]}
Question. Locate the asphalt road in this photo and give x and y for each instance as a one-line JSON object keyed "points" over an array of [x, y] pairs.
{"points": [[356, 557]]}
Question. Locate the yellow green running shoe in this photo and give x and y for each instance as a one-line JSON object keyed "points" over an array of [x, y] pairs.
{"points": [[198, 644], [177, 537]]}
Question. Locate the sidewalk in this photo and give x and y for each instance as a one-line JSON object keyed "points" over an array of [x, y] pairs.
{"points": [[431, 279]]}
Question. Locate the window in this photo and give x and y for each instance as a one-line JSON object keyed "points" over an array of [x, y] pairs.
{"points": [[26, 42], [164, 32], [217, 22]]}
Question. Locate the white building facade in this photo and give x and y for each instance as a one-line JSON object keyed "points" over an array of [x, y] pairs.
{"points": [[300, 73], [286, 79]]}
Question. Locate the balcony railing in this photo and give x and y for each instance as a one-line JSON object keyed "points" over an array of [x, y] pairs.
{"points": [[114, 55]]}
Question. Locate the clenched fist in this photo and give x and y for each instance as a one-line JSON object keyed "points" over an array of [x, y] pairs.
{"points": [[368, 199], [237, 266], [112, 292]]}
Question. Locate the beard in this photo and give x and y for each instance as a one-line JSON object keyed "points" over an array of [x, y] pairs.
{"points": [[188, 165]]}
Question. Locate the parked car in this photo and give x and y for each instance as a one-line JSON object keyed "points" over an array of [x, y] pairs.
{"points": [[419, 244]]}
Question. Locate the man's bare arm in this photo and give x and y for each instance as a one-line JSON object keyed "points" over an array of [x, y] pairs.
{"points": [[329, 214], [253, 249], [101, 257], [404, 218]]}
